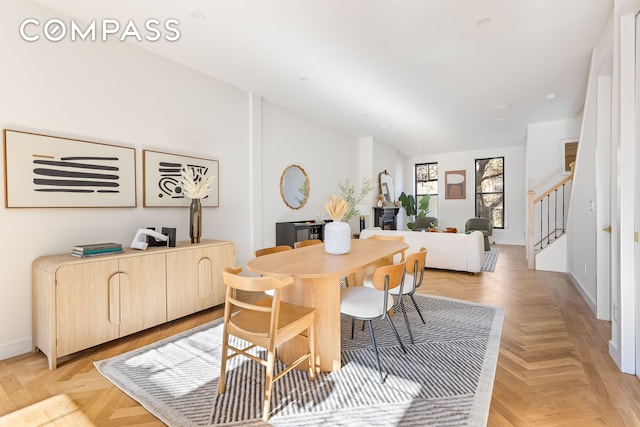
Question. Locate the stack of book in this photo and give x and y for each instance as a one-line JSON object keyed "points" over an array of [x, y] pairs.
{"points": [[96, 249]]}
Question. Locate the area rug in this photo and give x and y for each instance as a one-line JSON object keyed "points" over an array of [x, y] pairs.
{"points": [[490, 259], [445, 379]]}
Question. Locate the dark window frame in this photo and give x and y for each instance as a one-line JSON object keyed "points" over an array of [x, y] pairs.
{"points": [[415, 183], [478, 194]]}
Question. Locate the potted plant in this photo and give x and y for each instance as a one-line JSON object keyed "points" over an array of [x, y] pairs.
{"points": [[409, 204], [352, 199]]}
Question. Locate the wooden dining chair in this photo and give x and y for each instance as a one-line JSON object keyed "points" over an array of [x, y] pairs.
{"points": [[398, 238], [414, 273], [271, 250], [303, 243], [266, 323], [367, 304]]}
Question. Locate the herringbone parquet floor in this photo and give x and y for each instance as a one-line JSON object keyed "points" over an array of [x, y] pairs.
{"points": [[553, 368]]}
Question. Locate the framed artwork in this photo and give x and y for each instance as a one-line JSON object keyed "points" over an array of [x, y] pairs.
{"points": [[161, 178], [455, 184], [51, 171]]}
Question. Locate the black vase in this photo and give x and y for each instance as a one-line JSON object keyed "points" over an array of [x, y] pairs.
{"points": [[195, 220]]}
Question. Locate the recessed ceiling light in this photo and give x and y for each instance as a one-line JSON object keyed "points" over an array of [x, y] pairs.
{"points": [[550, 96], [365, 115], [500, 119], [483, 22], [303, 79], [502, 106], [385, 125], [197, 15]]}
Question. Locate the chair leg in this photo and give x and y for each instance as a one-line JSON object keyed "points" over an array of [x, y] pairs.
{"points": [[406, 319], [353, 324], [375, 350], [395, 331], [415, 304], [223, 361], [311, 336], [268, 383]]}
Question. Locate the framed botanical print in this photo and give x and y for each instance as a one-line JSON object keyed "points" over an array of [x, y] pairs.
{"points": [[161, 178], [52, 171]]}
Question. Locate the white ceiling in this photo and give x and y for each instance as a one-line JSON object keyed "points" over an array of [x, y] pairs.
{"points": [[422, 75]]}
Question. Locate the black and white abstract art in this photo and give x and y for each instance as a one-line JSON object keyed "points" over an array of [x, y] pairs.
{"points": [[51, 171], [161, 178]]}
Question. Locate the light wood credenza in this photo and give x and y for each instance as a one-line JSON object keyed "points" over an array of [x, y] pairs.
{"points": [[82, 302]]}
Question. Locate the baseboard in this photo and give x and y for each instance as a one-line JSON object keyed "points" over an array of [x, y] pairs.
{"points": [[614, 353], [581, 291], [16, 348]]}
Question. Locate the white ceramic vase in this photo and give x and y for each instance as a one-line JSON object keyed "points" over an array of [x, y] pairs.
{"points": [[337, 238]]}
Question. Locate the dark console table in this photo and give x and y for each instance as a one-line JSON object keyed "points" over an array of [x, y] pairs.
{"points": [[287, 233], [386, 218]]}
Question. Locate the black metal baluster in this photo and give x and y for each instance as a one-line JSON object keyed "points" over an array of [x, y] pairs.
{"points": [[541, 238], [548, 218], [555, 215]]}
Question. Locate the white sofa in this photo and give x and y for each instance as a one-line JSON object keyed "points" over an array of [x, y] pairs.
{"points": [[449, 251]]}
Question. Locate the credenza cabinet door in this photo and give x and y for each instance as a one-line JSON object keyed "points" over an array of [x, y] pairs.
{"points": [[142, 294], [194, 279], [87, 305]]}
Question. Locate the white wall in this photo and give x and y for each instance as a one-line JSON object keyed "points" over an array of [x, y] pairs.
{"points": [[545, 152], [581, 227], [117, 93], [454, 213], [328, 157], [624, 120]]}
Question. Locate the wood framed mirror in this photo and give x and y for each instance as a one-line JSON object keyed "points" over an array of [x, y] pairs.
{"points": [[385, 181], [294, 187]]}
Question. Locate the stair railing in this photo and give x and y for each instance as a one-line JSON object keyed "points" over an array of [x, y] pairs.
{"points": [[547, 215]]}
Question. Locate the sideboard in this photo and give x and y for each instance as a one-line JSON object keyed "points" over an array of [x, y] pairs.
{"points": [[287, 233], [82, 302]]}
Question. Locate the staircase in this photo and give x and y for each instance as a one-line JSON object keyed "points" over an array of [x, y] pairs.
{"points": [[547, 214]]}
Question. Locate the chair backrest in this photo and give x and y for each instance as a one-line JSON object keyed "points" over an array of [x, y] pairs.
{"points": [[233, 281], [478, 224], [415, 266], [398, 237], [416, 261], [272, 249], [303, 243], [388, 275]]}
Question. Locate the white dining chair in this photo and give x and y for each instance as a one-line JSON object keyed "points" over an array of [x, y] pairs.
{"points": [[414, 273], [367, 304]]}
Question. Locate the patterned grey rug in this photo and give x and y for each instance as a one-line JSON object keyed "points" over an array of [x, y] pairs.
{"points": [[445, 379], [490, 259]]}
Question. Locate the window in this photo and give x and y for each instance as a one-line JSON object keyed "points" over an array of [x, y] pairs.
{"points": [[490, 190], [427, 184], [570, 151]]}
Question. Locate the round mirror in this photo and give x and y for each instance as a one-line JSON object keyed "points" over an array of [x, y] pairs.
{"points": [[294, 187], [386, 188]]}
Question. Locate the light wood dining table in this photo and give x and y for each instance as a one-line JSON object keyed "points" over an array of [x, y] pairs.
{"points": [[317, 284]]}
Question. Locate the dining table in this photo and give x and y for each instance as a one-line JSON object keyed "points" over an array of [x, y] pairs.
{"points": [[317, 276]]}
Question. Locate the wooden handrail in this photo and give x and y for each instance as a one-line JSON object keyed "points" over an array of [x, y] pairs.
{"points": [[555, 187], [531, 256]]}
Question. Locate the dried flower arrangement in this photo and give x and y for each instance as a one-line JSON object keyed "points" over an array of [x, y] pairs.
{"points": [[195, 189], [336, 207]]}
